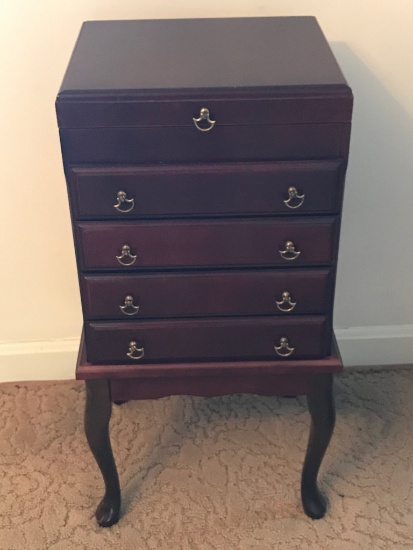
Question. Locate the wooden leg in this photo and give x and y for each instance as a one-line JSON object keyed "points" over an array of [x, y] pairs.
{"points": [[97, 416], [322, 410]]}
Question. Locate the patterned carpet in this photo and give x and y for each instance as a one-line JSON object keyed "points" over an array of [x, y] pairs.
{"points": [[209, 474]]}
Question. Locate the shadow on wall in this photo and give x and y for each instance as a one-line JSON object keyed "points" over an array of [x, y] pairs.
{"points": [[374, 282]]}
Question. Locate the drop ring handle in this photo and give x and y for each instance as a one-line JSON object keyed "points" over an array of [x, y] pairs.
{"points": [[129, 308], [135, 352], [284, 349], [124, 204], [286, 304], [290, 253], [293, 196], [126, 257], [204, 117]]}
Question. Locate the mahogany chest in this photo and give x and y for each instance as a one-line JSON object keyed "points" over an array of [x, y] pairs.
{"points": [[205, 164]]}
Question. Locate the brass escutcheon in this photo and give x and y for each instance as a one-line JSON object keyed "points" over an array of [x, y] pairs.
{"points": [[290, 253], [129, 307], [286, 304], [292, 197], [135, 352], [284, 349], [204, 116], [126, 253], [122, 202]]}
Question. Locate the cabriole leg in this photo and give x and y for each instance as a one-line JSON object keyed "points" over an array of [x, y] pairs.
{"points": [[97, 416], [322, 410]]}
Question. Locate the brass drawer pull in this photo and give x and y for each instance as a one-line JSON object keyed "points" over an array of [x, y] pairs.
{"points": [[292, 196], [204, 115], [122, 200], [129, 307], [135, 352], [290, 253], [126, 253], [286, 304], [284, 349]]}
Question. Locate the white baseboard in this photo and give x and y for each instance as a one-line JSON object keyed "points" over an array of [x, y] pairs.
{"points": [[56, 360], [376, 345], [47, 360]]}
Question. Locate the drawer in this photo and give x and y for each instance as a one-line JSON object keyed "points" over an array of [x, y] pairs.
{"points": [[249, 292], [207, 189], [175, 244], [171, 144], [246, 338], [290, 108]]}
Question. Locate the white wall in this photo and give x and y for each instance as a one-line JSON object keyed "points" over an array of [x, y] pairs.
{"points": [[40, 309]]}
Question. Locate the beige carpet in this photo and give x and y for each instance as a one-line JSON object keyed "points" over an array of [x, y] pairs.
{"points": [[209, 474]]}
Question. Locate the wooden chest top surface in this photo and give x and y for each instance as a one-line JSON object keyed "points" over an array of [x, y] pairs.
{"points": [[194, 54]]}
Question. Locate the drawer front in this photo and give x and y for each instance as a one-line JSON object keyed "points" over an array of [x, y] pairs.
{"points": [[207, 294], [187, 144], [246, 338], [309, 109], [202, 190], [129, 246]]}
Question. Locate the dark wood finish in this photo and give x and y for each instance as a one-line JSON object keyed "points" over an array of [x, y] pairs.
{"points": [[322, 410], [187, 54], [207, 190], [209, 217], [286, 108], [98, 412], [216, 339], [183, 294], [209, 243], [162, 373], [97, 416], [209, 386], [171, 144]]}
